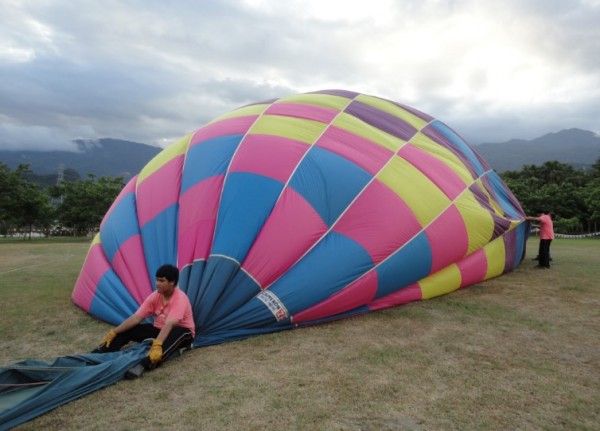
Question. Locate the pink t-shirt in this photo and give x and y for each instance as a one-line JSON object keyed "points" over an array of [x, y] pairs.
{"points": [[546, 227], [178, 308]]}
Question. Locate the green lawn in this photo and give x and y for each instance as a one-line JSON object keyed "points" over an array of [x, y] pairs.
{"points": [[518, 352]]}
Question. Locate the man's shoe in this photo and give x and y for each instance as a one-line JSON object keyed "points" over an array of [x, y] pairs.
{"points": [[135, 372], [100, 349]]}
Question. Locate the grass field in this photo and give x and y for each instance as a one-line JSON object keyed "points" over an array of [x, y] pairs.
{"points": [[520, 352]]}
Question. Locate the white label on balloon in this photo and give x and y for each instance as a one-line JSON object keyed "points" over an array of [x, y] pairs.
{"points": [[274, 304]]}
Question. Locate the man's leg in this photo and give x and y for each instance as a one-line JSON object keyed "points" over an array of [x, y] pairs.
{"points": [[178, 338], [137, 333], [548, 252], [539, 252], [545, 253]]}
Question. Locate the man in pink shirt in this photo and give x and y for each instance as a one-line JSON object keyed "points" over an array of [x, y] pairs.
{"points": [[173, 326], [546, 237]]}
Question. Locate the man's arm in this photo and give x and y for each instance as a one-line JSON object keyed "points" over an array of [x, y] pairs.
{"points": [[156, 351], [166, 330], [128, 323]]}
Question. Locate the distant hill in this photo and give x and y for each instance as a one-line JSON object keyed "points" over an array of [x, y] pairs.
{"points": [[102, 158], [580, 148], [116, 158]]}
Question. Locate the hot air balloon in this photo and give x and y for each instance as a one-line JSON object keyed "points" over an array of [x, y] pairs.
{"points": [[301, 210]]}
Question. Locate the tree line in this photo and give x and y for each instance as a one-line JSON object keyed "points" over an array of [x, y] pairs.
{"points": [[571, 195], [76, 206], [72, 207]]}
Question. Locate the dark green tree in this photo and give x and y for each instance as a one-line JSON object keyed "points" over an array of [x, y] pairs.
{"points": [[591, 196], [84, 203], [6, 196], [23, 204], [555, 187], [595, 172]]}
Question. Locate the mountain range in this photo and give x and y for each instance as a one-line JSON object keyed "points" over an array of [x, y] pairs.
{"points": [[580, 148], [101, 158], [117, 158]]}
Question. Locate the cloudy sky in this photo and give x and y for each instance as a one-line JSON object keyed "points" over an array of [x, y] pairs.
{"points": [[153, 70]]}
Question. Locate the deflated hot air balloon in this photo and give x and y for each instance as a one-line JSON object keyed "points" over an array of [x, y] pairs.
{"points": [[301, 210]]}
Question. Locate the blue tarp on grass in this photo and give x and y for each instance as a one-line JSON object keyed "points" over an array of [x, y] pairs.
{"points": [[31, 388]]}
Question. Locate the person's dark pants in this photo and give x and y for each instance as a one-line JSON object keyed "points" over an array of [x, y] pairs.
{"points": [[178, 338], [545, 252]]}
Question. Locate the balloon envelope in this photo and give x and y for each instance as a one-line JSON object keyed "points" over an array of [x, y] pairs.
{"points": [[304, 209]]}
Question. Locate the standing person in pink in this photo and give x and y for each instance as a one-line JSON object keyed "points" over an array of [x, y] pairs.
{"points": [[546, 237], [173, 326]]}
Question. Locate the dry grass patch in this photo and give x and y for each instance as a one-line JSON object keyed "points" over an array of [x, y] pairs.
{"points": [[517, 352]]}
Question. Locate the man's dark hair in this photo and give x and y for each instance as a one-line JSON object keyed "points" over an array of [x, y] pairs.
{"points": [[169, 272]]}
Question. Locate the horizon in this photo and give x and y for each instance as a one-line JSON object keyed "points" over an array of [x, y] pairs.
{"points": [[153, 77], [75, 148]]}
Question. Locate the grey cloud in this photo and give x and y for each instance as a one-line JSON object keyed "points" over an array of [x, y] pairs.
{"points": [[564, 30], [151, 71], [19, 137]]}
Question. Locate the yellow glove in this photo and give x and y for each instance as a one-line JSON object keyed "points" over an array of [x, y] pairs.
{"points": [[156, 352], [109, 337]]}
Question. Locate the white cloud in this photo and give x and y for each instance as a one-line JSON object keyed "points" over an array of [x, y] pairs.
{"points": [[151, 71], [19, 137]]}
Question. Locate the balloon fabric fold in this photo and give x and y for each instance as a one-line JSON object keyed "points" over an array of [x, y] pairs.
{"points": [[31, 388], [301, 210]]}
